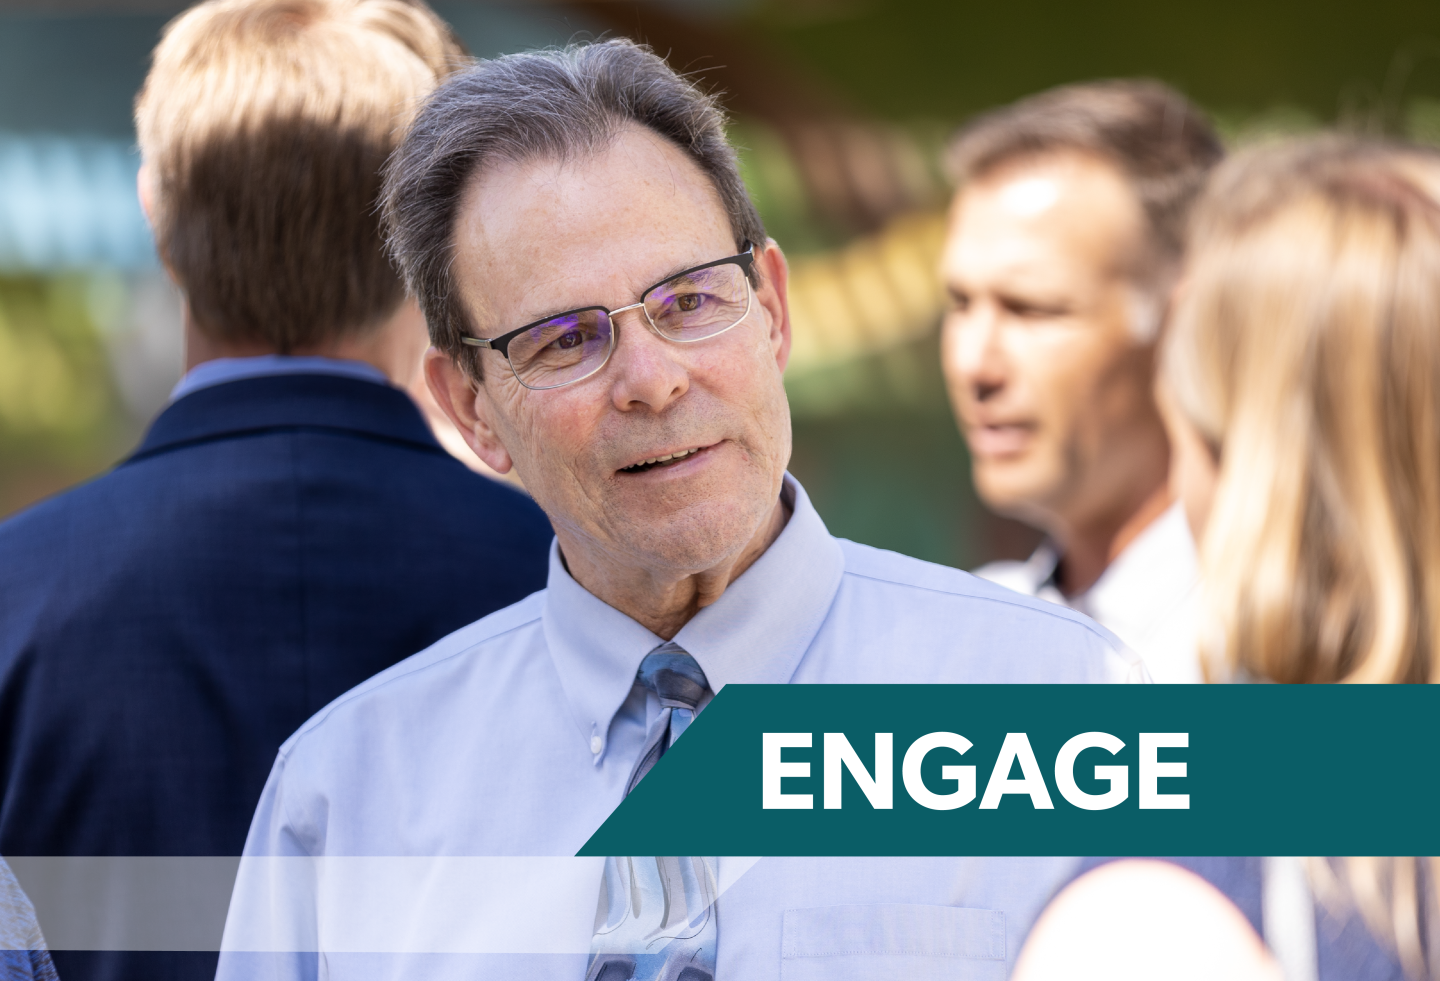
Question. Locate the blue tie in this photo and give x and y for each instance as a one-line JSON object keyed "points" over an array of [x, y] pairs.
{"points": [[656, 919]]}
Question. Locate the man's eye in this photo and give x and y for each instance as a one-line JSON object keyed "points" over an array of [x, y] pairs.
{"points": [[959, 302], [688, 302], [1034, 311], [569, 339]]}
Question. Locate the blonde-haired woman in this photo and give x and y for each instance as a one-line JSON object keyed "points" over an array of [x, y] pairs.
{"points": [[1301, 387]]}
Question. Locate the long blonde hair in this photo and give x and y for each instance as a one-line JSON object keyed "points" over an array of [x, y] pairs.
{"points": [[1305, 348]]}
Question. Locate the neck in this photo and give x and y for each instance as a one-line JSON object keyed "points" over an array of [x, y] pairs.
{"points": [[1089, 548], [394, 346], [663, 601]]}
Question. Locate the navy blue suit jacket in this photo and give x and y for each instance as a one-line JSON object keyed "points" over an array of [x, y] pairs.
{"points": [[163, 629]]}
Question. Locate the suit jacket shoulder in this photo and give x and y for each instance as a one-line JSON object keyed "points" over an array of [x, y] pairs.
{"points": [[164, 628]]}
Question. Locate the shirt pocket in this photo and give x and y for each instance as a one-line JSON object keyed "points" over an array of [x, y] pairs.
{"points": [[895, 940]]}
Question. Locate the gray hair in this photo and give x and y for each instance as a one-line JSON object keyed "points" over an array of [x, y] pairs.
{"points": [[550, 104], [1159, 140]]}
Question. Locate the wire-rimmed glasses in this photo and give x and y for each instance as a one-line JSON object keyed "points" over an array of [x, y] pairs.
{"points": [[569, 347]]}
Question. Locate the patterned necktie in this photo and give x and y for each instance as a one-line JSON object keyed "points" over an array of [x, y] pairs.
{"points": [[656, 919]]}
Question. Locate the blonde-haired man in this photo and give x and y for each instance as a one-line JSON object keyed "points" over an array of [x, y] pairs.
{"points": [[288, 526], [263, 127]]}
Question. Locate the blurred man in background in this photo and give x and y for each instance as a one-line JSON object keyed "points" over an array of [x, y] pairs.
{"points": [[1065, 239], [288, 526]]}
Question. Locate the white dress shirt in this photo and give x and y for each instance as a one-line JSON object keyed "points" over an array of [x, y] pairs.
{"points": [[1149, 596], [515, 737]]}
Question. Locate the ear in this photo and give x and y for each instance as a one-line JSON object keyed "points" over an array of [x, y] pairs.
{"points": [[467, 405], [774, 296], [145, 191]]}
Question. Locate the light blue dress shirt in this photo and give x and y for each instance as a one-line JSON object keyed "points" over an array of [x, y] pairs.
{"points": [[515, 735], [222, 370]]}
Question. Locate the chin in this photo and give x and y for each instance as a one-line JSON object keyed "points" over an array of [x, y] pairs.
{"points": [[701, 535], [1012, 488]]}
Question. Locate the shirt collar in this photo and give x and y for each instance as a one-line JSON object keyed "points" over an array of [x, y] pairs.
{"points": [[221, 370], [755, 633], [278, 402], [1150, 577], [1042, 570]]}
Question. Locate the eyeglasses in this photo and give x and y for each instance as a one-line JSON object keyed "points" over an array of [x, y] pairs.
{"points": [[570, 347]]}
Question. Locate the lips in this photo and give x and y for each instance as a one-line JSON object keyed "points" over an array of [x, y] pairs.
{"points": [[999, 439], [662, 460]]}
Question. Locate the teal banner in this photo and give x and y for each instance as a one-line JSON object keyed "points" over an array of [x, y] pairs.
{"points": [[1044, 770]]}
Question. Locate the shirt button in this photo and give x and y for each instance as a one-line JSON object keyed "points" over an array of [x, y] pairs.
{"points": [[596, 745]]}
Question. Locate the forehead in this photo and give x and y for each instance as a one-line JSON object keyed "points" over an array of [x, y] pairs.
{"points": [[540, 236], [1046, 220]]}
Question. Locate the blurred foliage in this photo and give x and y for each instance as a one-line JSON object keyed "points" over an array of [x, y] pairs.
{"points": [[60, 415], [902, 379], [908, 59], [778, 190], [1422, 120], [778, 184], [874, 439], [1239, 128]]}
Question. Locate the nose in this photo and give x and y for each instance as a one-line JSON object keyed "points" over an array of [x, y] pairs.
{"points": [[647, 371], [974, 355]]}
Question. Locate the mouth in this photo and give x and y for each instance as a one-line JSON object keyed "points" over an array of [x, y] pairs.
{"points": [[999, 439], [662, 461]]}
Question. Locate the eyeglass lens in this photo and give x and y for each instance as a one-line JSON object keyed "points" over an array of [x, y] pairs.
{"points": [[690, 307], [699, 304], [562, 349]]}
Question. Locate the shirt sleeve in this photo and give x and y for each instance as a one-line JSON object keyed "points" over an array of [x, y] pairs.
{"points": [[1122, 665], [270, 931]]}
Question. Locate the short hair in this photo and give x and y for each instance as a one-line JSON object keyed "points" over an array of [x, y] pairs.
{"points": [[1159, 141], [264, 125], [549, 104]]}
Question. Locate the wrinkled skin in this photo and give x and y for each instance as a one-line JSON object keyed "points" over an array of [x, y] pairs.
{"points": [[545, 236]]}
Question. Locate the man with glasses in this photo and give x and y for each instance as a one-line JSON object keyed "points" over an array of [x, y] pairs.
{"points": [[610, 319]]}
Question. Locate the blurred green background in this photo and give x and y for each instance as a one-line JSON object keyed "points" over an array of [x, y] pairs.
{"points": [[841, 108]]}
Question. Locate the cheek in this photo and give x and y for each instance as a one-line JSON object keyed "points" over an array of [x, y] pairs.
{"points": [[952, 356], [552, 431], [1088, 383], [741, 373], [741, 384], [1194, 475], [1053, 371], [1193, 470]]}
